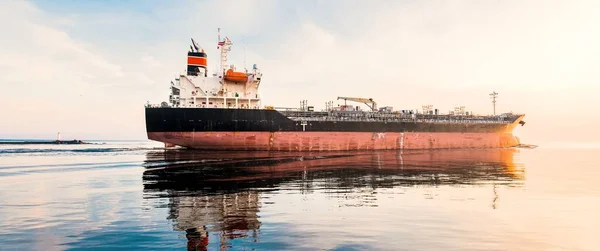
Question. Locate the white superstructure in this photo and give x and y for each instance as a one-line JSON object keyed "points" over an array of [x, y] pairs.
{"points": [[227, 88]]}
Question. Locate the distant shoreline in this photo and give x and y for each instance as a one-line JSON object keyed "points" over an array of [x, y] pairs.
{"points": [[45, 142]]}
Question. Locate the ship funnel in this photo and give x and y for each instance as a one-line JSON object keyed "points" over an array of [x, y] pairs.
{"points": [[196, 63]]}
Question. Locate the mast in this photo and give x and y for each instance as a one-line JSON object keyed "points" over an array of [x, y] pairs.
{"points": [[494, 95], [225, 46], [220, 46], [245, 68]]}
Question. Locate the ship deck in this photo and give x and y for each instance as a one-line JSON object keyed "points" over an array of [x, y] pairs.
{"points": [[396, 117]]}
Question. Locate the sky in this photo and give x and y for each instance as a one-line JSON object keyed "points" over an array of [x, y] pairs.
{"points": [[86, 68]]}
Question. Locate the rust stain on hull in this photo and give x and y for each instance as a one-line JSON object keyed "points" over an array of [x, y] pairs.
{"points": [[336, 141]]}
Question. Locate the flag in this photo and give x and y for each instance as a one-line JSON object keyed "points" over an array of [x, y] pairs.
{"points": [[221, 43]]}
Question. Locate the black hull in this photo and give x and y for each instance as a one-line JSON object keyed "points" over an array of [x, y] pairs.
{"points": [[254, 120]]}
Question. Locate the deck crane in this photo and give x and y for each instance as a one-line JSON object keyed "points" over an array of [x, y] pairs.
{"points": [[367, 101]]}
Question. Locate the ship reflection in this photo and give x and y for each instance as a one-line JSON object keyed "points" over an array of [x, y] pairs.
{"points": [[220, 191]]}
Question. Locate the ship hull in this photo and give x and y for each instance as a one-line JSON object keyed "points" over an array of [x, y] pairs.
{"points": [[270, 130], [333, 141]]}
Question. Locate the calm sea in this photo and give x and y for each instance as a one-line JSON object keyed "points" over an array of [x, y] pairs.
{"points": [[135, 195]]}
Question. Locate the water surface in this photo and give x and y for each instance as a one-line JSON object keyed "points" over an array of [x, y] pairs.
{"points": [[134, 195]]}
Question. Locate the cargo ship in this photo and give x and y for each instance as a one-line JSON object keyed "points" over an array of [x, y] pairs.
{"points": [[223, 111]]}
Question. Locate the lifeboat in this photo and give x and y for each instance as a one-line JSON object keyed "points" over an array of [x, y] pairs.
{"points": [[235, 76]]}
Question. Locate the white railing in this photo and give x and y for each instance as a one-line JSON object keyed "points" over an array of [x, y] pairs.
{"points": [[200, 106], [395, 117]]}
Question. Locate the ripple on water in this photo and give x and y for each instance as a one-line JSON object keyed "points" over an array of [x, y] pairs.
{"points": [[142, 198]]}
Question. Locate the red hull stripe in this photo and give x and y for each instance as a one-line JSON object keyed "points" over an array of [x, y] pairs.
{"points": [[332, 141], [196, 61]]}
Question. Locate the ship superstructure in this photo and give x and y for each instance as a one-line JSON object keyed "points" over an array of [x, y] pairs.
{"points": [[223, 111], [226, 88]]}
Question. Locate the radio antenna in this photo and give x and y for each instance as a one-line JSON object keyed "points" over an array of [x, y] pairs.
{"points": [[245, 68], [494, 95]]}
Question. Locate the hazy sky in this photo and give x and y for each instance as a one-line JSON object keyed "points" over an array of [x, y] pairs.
{"points": [[86, 68]]}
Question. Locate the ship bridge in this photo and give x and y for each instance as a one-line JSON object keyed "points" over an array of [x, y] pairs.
{"points": [[225, 88]]}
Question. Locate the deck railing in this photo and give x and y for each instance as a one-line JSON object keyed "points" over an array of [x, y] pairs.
{"points": [[362, 116], [395, 117]]}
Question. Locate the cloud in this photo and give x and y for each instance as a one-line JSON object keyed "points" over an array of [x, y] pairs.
{"points": [[150, 61], [53, 82], [450, 54], [94, 68]]}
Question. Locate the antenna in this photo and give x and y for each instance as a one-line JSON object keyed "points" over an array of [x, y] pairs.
{"points": [[245, 68], [494, 95], [225, 46], [218, 35], [220, 46]]}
